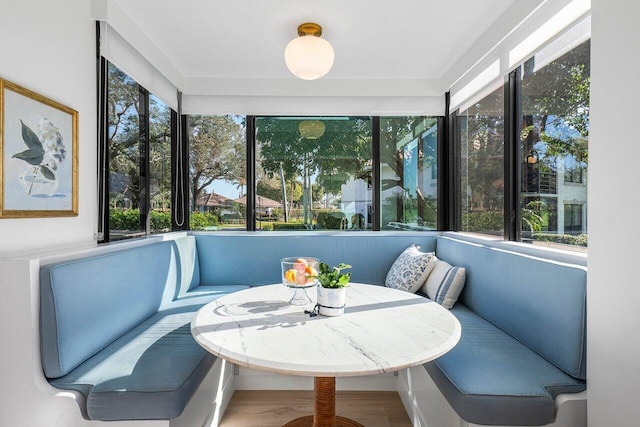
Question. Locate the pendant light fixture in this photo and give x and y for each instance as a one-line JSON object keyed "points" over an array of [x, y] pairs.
{"points": [[309, 56], [311, 129]]}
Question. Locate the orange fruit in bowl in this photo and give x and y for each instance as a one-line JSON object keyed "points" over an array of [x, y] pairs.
{"points": [[300, 265], [301, 278], [290, 275], [311, 273]]}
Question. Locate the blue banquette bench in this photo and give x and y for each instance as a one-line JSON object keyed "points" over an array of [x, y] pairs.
{"points": [[115, 327]]}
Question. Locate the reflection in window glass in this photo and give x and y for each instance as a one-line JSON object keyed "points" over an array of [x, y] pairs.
{"points": [[555, 134], [160, 165], [313, 173], [124, 155], [217, 172], [481, 139], [408, 173]]}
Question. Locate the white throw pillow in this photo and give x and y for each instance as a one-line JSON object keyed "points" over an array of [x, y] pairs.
{"points": [[410, 269], [445, 283]]}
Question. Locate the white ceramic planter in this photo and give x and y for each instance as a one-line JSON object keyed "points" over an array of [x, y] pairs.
{"points": [[331, 301]]}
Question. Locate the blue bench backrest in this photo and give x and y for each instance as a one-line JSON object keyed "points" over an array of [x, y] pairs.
{"points": [[188, 265], [88, 303], [254, 258], [539, 302]]}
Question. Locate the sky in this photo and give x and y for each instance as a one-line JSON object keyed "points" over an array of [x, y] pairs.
{"points": [[224, 188]]}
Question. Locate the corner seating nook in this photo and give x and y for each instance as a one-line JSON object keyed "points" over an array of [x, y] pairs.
{"points": [[115, 327]]}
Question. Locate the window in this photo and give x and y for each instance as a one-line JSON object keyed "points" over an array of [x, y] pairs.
{"points": [[555, 135], [573, 221], [124, 154], [409, 172], [160, 164], [139, 139], [573, 169], [313, 173], [481, 141], [217, 172]]}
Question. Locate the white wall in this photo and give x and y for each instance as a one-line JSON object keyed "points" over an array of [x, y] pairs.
{"points": [[49, 47], [613, 321]]}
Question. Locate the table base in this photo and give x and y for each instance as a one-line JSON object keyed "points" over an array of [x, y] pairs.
{"points": [[308, 422], [324, 413]]}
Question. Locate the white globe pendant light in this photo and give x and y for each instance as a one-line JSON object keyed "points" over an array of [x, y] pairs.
{"points": [[309, 56]]}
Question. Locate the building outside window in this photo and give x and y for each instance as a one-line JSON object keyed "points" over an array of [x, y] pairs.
{"points": [[409, 173]]}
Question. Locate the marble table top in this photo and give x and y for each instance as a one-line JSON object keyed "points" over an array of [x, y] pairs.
{"points": [[382, 330]]}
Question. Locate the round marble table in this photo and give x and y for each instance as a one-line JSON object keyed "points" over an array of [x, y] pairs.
{"points": [[382, 330]]}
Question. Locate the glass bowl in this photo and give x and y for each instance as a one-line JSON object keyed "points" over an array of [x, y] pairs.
{"points": [[299, 274]]}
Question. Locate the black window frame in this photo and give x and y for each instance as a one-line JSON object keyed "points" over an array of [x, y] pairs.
{"points": [[179, 220]]}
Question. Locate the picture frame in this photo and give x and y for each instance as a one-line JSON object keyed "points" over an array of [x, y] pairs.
{"points": [[38, 155]]}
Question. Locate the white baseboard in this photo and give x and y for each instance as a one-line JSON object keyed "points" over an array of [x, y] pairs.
{"points": [[202, 410], [249, 379]]}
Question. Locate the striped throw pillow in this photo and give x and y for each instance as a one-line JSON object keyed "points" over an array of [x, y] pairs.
{"points": [[444, 284]]}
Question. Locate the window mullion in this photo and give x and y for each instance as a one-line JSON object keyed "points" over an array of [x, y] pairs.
{"points": [[376, 184], [251, 173], [103, 234], [512, 156], [144, 161]]}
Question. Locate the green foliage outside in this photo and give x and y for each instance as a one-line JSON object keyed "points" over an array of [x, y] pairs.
{"points": [[230, 217], [124, 144], [129, 219], [276, 226], [483, 221], [124, 219], [566, 239], [202, 220], [160, 221], [217, 147]]}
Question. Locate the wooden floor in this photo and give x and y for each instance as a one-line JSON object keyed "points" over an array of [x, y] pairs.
{"points": [[274, 408]]}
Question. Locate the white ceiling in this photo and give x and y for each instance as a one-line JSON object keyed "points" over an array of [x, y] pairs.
{"points": [[372, 39], [391, 58]]}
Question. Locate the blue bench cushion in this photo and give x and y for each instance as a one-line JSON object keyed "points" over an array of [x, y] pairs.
{"points": [[491, 378], [213, 291], [188, 264], [223, 262], [148, 373], [539, 302], [89, 303]]}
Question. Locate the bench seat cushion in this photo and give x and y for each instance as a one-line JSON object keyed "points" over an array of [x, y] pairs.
{"points": [[148, 373], [213, 291], [491, 378]]}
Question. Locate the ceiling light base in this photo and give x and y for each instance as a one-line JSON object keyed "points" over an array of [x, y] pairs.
{"points": [[309, 29]]}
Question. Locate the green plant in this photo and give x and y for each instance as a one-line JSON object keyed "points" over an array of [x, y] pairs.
{"points": [[160, 221], [333, 277], [291, 225], [202, 220]]}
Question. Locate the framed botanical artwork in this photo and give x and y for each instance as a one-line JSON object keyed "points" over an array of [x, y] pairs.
{"points": [[38, 155]]}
